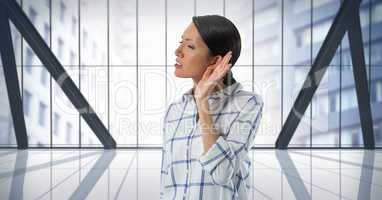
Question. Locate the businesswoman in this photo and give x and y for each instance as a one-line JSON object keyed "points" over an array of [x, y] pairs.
{"points": [[208, 132]]}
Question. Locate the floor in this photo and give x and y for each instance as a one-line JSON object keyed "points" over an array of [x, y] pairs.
{"points": [[130, 174]]}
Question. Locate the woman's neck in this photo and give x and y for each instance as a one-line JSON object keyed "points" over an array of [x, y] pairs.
{"points": [[220, 86]]}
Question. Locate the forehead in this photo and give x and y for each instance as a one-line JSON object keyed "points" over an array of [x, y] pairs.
{"points": [[192, 34]]}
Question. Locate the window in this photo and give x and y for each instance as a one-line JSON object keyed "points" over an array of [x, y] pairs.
{"points": [[74, 25], [301, 6], [72, 58], [349, 99], [85, 39], [42, 114], [304, 5], [62, 11], [266, 49], [303, 37], [266, 16], [334, 100], [364, 17], [320, 30], [46, 33], [44, 76], [323, 105], [69, 130], [376, 53], [378, 91], [56, 123], [60, 47], [378, 134], [318, 3], [32, 15], [29, 59], [94, 50], [376, 15], [27, 98], [355, 138], [346, 59]]}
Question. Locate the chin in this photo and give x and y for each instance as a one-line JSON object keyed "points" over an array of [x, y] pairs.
{"points": [[179, 74]]}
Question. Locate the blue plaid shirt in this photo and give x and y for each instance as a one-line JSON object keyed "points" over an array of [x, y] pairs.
{"points": [[224, 171]]}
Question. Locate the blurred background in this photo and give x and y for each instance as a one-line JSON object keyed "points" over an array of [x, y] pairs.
{"points": [[120, 53]]}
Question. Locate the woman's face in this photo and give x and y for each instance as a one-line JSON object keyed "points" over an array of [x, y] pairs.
{"points": [[192, 55]]}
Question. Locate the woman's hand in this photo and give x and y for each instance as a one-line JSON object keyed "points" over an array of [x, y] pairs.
{"points": [[212, 77]]}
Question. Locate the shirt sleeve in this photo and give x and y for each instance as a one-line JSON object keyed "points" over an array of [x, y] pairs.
{"points": [[222, 160]]}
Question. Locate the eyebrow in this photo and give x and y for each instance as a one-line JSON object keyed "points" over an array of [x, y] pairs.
{"points": [[187, 39]]}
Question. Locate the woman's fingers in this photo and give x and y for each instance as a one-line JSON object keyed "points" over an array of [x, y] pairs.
{"points": [[207, 73], [218, 71]]}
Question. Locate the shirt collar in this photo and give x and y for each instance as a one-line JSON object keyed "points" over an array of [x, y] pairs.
{"points": [[225, 92]]}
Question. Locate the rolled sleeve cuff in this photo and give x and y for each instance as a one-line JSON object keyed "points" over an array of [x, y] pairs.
{"points": [[218, 153]]}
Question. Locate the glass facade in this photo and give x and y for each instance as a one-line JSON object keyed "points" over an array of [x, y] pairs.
{"points": [[121, 55]]}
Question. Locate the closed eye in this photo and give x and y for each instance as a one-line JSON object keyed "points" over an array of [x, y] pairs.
{"points": [[189, 46]]}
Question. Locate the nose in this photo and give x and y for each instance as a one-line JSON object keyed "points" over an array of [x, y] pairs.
{"points": [[178, 51]]}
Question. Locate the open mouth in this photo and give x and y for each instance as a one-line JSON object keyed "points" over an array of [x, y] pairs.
{"points": [[178, 65]]}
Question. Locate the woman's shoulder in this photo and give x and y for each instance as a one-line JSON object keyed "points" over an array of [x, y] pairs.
{"points": [[243, 97]]}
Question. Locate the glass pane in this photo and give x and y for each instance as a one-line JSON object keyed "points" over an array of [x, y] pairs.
{"points": [[293, 79], [65, 39], [36, 79], [243, 74], [323, 15], [211, 7], [351, 133], [240, 13], [151, 84], [376, 102], [94, 88], [346, 55], [151, 20], [65, 34], [94, 32], [267, 40], [16, 41], [376, 20], [179, 16], [297, 33], [376, 70], [123, 105], [123, 32], [7, 134], [65, 118], [267, 83], [325, 110]]}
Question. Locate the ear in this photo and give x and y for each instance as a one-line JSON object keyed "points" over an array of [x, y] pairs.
{"points": [[215, 60]]}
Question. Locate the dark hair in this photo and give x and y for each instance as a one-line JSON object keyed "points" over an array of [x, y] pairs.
{"points": [[220, 35]]}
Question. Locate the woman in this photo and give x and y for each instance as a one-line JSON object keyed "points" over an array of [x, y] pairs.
{"points": [[209, 131]]}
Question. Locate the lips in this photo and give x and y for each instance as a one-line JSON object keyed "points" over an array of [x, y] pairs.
{"points": [[178, 64]]}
